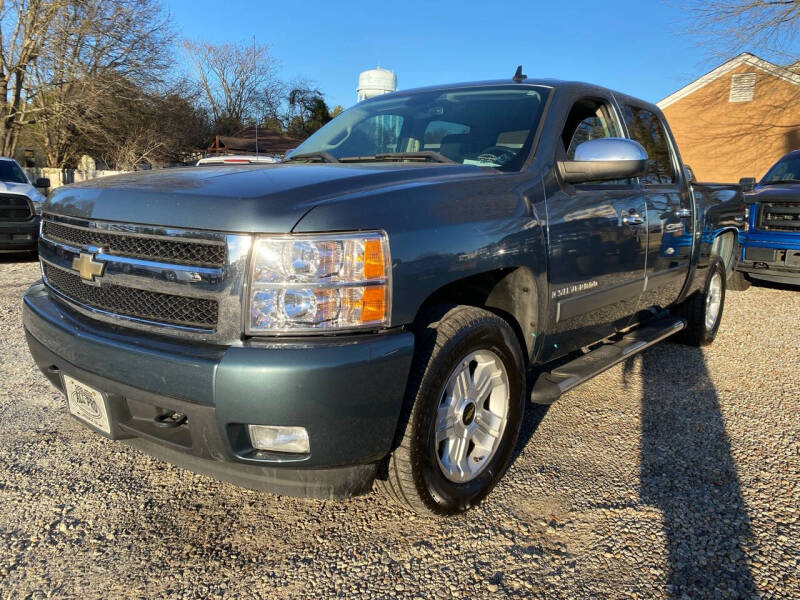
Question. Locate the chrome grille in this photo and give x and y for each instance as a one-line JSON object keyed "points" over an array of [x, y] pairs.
{"points": [[203, 254], [15, 208], [783, 216], [137, 286], [141, 304]]}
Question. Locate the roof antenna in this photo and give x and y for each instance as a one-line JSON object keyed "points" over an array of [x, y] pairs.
{"points": [[519, 77]]}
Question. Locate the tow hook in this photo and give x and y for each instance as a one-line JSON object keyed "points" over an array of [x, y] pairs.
{"points": [[170, 420]]}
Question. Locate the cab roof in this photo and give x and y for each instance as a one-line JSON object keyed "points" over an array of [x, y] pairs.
{"points": [[556, 84]]}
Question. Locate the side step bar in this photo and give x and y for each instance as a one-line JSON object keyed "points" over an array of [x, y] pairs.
{"points": [[550, 386]]}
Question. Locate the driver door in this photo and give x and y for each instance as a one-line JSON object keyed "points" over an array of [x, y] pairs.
{"points": [[598, 239]]}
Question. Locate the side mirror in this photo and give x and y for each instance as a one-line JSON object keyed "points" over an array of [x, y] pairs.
{"points": [[689, 174], [42, 182], [748, 184], [604, 159]]}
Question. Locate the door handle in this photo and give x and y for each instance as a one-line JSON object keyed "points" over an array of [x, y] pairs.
{"points": [[632, 218], [683, 213]]}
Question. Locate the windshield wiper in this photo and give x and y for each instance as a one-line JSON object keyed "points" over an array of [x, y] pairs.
{"points": [[320, 156], [401, 156], [779, 181]]}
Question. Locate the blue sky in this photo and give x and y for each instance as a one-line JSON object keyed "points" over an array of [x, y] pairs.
{"points": [[637, 47]]}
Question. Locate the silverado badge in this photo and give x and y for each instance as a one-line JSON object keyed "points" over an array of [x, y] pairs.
{"points": [[87, 267]]}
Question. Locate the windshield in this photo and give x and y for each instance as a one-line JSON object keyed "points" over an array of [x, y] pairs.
{"points": [[10, 171], [786, 169], [487, 127]]}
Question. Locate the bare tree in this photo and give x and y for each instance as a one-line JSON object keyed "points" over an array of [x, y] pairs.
{"points": [[100, 51], [235, 79], [59, 57], [759, 26], [25, 29]]}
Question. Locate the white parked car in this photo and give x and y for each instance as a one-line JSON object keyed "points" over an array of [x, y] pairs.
{"points": [[242, 159], [20, 207]]}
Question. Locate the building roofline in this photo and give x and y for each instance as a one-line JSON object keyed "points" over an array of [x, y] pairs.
{"points": [[743, 59]]}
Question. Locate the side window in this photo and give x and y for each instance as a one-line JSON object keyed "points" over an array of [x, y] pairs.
{"points": [[436, 131], [647, 129], [588, 120]]}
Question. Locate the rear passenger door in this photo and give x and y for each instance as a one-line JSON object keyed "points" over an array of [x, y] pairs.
{"points": [[597, 235], [669, 208]]}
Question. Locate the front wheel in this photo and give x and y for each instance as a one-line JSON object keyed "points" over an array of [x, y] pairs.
{"points": [[464, 407], [703, 309]]}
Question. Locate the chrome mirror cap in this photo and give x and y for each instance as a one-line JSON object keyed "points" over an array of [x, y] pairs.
{"points": [[605, 159], [610, 149]]}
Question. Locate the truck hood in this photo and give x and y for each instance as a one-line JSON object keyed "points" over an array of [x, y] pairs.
{"points": [[258, 198], [785, 192], [23, 189]]}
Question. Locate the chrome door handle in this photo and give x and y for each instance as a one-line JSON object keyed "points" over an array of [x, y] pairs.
{"points": [[633, 218], [683, 213]]}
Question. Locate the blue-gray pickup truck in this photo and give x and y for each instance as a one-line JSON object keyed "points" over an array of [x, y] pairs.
{"points": [[381, 305]]}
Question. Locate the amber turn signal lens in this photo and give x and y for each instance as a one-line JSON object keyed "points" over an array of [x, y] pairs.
{"points": [[374, 266], [373, 304]]}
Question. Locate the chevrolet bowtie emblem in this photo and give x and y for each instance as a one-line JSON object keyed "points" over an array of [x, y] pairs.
{"points": [[87, 266]]}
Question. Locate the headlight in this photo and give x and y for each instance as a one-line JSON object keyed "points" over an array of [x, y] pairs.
{"points": [[319, 282], [37, 207]]}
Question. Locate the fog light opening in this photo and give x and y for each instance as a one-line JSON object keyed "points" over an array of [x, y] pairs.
{"points": [[273, 438]]}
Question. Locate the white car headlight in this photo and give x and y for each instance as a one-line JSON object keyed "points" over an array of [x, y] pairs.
{"points": [[319, 282]]}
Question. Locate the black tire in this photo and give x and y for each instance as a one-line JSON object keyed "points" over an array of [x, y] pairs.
{"points": [[413, 474], [738, 282], [694, 309]]}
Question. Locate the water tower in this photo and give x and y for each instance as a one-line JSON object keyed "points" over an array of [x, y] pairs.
{"points": [[376, 82]]}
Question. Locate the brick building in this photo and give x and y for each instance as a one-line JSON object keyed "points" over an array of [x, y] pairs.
{"points": [[737, 120]]}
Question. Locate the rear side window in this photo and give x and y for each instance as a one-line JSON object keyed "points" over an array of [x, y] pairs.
{"points": [[647, 129]]}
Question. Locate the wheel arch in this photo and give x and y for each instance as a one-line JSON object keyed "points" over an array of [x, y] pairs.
{"points": [[731, 259], [511, 293]]}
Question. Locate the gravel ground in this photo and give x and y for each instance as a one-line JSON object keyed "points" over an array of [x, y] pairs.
{"points": [[675, 475]]}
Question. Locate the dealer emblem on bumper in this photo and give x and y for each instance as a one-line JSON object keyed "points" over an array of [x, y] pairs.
{"points": [[88, 267]]}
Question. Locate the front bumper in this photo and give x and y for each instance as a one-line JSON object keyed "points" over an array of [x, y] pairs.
{"points": [[347, 392], [19, 236], [772, 259]]}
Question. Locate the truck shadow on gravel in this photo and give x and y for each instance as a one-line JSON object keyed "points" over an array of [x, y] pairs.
{"points": [[688, 472]]}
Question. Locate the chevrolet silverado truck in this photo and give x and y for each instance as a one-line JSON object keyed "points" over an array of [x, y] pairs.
{"points": [[381, 305], [20, 208], [770, 239]]}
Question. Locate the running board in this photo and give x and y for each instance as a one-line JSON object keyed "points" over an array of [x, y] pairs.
{"points": [[550, 386]]}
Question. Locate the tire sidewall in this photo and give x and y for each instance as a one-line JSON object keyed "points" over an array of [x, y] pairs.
{"points": [[439, 492]]}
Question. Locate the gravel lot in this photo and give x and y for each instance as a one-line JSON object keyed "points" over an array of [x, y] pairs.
{"points": [[676, 475]]}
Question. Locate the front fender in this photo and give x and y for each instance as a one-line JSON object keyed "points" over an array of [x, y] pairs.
{"points": [[440, 234]]}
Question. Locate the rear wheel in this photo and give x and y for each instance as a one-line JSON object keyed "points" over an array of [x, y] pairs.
{"points": [[703, 308], [464, 408]]}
